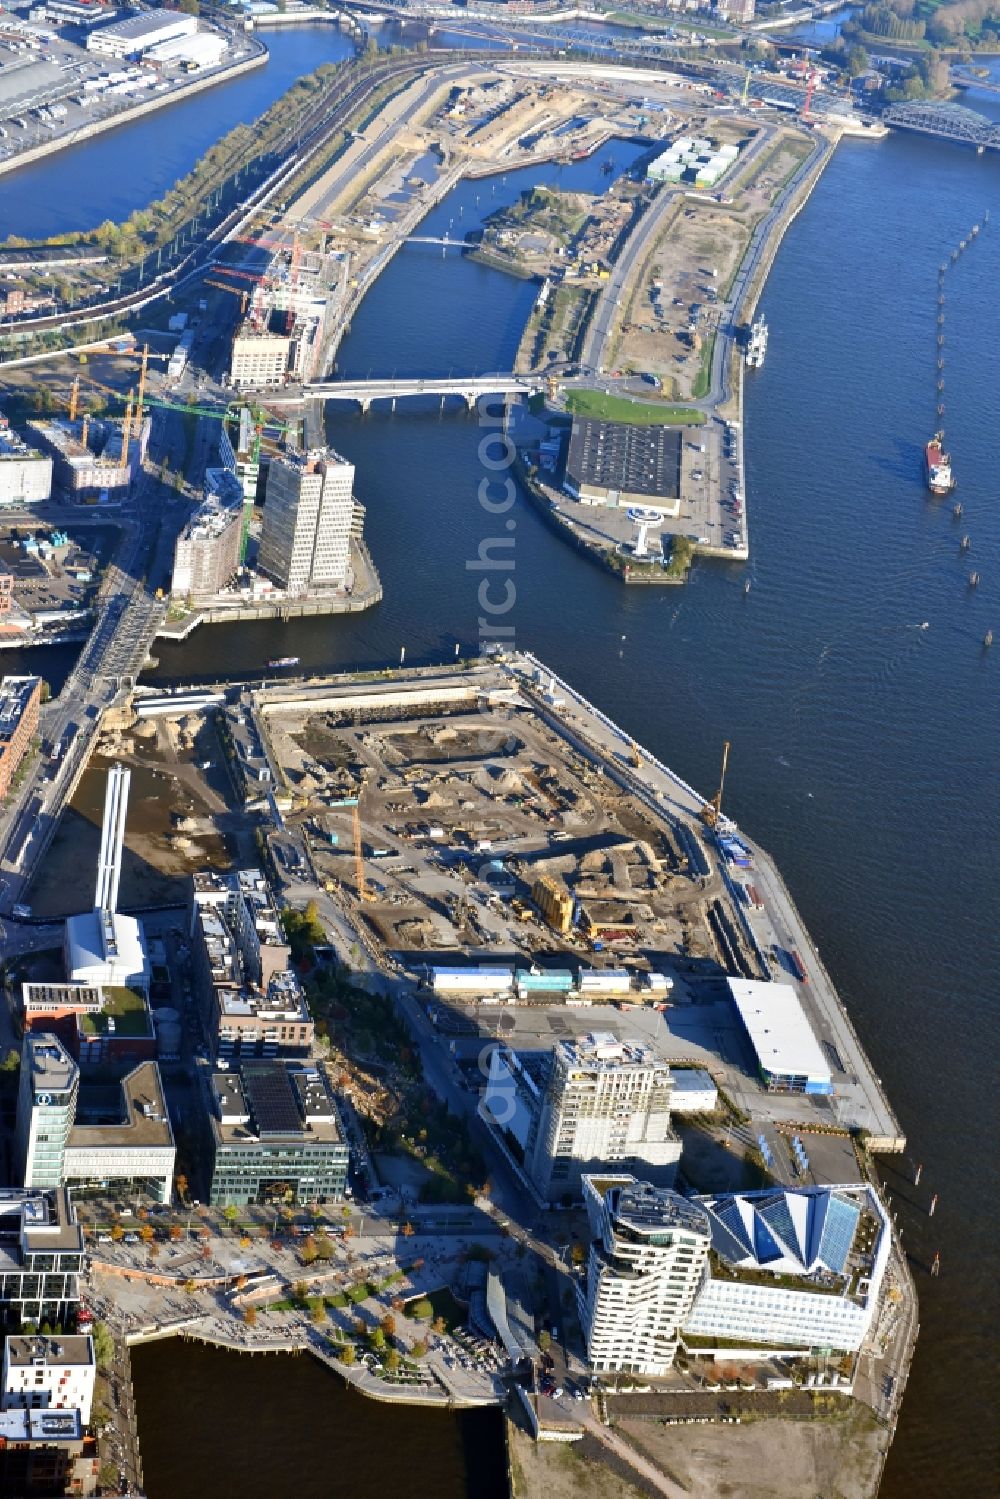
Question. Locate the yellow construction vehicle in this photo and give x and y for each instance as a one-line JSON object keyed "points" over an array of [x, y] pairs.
{"points": [[712, 811]]}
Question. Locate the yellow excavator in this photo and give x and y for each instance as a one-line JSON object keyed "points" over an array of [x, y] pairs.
{"points": [[712, 811]]}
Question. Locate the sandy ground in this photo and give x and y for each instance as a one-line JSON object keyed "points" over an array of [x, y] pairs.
{"points": [[774, 1459], [557, 1470]]}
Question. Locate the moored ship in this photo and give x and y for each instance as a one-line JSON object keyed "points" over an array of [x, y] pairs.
{"points": [[283, 661], [939, 475], [757, 345]]}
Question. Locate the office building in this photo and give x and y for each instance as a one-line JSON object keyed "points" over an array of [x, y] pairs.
{"points": [[276, 1136], [250, 996], [102, 947], [207, 551], [593, 1104], [48, 1088], [694, 1092], [309, 518], [64, 1140], [83, 13], [86, 456], [645, 1264], [49, 1374], [136, 34], [20, 699], [616, 464], [789, 1057], [25, 473], [41, 1257], [789, 1268], [259, 359]]}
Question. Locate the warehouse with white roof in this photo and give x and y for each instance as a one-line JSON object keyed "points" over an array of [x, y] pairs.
{"points": [[138, 33], [788, 1054]]}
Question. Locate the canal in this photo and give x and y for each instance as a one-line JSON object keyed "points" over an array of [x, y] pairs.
{"points": [[863, 743]]}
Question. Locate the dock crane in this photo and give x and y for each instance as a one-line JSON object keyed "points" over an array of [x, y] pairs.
{"points": [[712, 811]]}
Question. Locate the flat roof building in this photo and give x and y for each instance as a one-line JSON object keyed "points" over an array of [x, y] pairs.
{"points": [[20, 699], [86, 456], [276, 1136], [309, 520], [62, 1142], [594, 1103], [46, 1452], [49, 1373], [789, 1057], [207, 551], [41, 1256], [250, 995], [136, 34], [617, 464], [25, 473], [259, 360]]}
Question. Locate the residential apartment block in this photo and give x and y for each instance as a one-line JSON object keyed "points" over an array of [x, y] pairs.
{"points": [[594, 1103], [20, 698], [251, 997], [646, 1261], [49, 1373]]}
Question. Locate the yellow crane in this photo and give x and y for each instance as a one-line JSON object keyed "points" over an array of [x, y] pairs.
{"points": [[126, 431], [712, 811]]}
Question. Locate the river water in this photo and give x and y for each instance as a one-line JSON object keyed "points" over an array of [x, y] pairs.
{"points": [[863, 744]]}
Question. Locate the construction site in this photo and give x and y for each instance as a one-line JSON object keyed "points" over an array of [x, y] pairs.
{"points": [[482, 832], [493, 842]]}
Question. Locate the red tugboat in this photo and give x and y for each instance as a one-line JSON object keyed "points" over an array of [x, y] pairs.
{"points": [[939, 478]]}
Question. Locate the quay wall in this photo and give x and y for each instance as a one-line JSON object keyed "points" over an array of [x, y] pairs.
{"points": [[136, 112]]}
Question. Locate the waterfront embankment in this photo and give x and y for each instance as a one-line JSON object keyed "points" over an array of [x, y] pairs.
{"points": [[365, 595], [82, 133]]}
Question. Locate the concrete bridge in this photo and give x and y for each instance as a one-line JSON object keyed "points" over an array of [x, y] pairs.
{"points": [[468, 387]]}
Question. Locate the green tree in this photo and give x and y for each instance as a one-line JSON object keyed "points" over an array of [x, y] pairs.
{"points": [[422, 1310], [346, 1354], [376, 1339], [107, 1476], [317, 1311], [391, 1359], [544, 1340], [230, 1213], [104, 1344]]}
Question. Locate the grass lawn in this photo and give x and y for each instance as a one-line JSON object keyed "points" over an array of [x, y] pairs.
{"points": [[619, 409], [128, 1009]]}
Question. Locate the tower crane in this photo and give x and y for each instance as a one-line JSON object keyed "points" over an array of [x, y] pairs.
{"points": [[712, 811], [810, 90]]}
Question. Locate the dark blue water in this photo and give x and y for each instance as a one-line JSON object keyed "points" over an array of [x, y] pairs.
{"points": [[864, 747]]}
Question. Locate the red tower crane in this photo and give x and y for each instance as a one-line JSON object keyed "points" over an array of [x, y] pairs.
{"points": [[810, 89]]}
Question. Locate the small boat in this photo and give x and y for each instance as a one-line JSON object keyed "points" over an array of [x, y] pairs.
{"points": [[926, 624], [973, 580], [746, 586], [988, 639], [280, 661], [956, 510], [965, 543]]}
